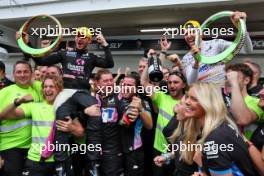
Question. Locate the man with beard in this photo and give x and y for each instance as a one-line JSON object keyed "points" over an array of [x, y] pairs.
{"points": [[165, 103]]}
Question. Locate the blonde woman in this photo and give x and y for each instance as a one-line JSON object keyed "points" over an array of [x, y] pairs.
{"points": [[181, 137], [224, 151]]}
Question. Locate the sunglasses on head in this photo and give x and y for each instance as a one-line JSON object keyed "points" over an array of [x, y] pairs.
{"points": [[179, 74]]}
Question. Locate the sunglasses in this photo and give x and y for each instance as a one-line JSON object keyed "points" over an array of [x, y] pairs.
{"points": [[179, 74]]}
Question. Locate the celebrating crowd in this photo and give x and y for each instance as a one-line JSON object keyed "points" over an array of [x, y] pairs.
{"points": [[59, 119]]}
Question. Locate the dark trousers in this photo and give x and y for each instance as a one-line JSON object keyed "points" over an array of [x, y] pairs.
{"points": [[93, 135], [14, 161], [2, 170], [148, 142], [79, 163], [165, 170], [112, 165], [134, 163], [33, 168]]}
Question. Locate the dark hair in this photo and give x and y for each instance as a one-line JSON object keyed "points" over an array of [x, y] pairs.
{"points": [[134, 75], [22, 62], [56, 80], [179, 74], [146, 52], [243, 68], [2, 66], [101, 72], [254, 64], [57, 67]]}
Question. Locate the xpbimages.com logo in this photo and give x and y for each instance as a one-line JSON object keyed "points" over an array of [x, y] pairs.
{"points": [[107, 90], [182, 30], [209, 147], [55, 31], [73, 148]]}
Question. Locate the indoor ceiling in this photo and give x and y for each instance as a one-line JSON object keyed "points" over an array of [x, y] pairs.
{"points": [[121, 23]]}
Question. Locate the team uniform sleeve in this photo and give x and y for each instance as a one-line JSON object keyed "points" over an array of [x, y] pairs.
{"points": [[191, 74], [75, 105], [258, 137], [247, 47], [216, 160], [68, 108], [170, 128], [83, 100], [50, 59], [104, 62]]}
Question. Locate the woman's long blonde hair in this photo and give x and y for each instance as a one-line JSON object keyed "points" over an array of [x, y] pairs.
{"points": [[210, 98], [188, 131]]}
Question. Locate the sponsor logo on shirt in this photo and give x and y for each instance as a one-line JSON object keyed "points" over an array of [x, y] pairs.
{"points": [[75, 68], [71, 53], [109, 115], [211, 149]]}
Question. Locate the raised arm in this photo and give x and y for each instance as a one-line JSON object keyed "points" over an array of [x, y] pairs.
{"points": [[164, 46], [150, 88], [12, 111], [247, 47], [240, 111], [50, 59], [107, 61], [117, 75]]}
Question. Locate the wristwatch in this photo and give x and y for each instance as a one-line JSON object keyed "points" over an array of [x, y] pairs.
{"points": [[17, 102], [167, 157]]}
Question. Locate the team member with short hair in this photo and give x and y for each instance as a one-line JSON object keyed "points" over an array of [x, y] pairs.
{"points": [[256, 143], [15, 135], [244, 108], [255, 86], [4, 81], [109, 101], [165, 103], [135, 114]]}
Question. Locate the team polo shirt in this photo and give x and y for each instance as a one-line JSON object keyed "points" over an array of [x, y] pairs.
{"points": [[165, 103], [225, 152], [15, 133], [252, 103], [42, 115]]}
